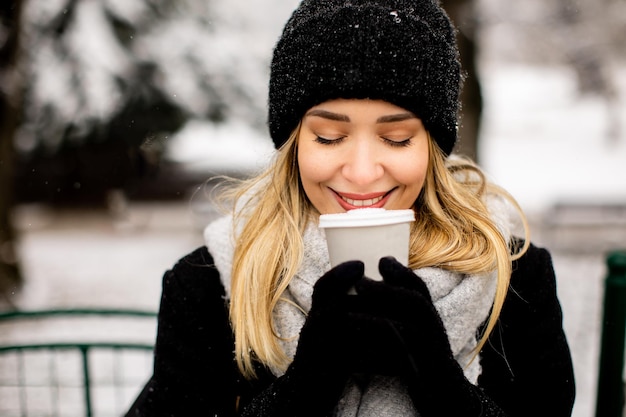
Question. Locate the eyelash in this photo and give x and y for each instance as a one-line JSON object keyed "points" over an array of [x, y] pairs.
{"points": [[392, 143], [398, 144], [325, 141]]}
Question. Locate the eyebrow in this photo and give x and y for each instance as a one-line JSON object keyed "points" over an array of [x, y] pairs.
{"points": [[328, 115], [396, 118], [343, 118]]}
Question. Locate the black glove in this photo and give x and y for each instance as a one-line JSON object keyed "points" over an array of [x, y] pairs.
{"points": [[342, 336], [323, 343], [435, 380], [315, 380]]}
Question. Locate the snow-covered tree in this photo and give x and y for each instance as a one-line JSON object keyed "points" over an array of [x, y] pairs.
{"points": [[145, 65], [10, 275], [129, 73]]}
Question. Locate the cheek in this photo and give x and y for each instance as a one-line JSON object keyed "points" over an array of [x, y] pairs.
{"points": [[411, 172], [313, 164], [414, 174]]}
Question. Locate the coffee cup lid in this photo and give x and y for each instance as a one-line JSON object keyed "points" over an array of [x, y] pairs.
{"points": [[366, 217]]}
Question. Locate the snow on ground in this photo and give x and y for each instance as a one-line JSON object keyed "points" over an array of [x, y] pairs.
{"points": [[540, 140]]}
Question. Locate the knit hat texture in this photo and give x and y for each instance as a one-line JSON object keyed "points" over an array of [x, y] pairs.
{"points": [[400, 51]]}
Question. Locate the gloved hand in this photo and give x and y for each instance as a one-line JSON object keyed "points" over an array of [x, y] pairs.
{"points": [[343, 336], [322, 341], [315, 380], [435, 380]]}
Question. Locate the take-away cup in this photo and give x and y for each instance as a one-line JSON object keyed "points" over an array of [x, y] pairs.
{"points": [[367, 235]]}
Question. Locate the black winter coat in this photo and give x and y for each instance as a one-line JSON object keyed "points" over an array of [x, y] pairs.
{"points": [[526, 365]]}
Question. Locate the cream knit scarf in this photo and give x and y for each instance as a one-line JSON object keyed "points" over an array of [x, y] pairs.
{"points": [[463, 302]]}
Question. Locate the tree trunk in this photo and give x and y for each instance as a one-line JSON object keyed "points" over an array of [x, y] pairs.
{"points": [[463, 16], [10, 276]]}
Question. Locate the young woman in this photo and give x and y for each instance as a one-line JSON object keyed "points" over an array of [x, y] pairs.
{"points": [[363, 112]]}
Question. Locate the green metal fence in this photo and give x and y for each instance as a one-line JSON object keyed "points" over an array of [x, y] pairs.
{"points": [[93, 377]]}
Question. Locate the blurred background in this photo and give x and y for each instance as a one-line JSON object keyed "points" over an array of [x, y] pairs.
{"points": [[116, 114]]}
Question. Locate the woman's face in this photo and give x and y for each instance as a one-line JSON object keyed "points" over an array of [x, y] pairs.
{"points": [[361, 153]]}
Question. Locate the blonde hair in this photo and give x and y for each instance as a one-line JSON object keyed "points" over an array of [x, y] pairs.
{"points": [[453, 230]]}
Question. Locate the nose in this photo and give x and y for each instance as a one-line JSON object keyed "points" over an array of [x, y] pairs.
{"points": [[363, 164]]}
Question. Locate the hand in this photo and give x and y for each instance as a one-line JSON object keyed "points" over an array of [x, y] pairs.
{"points": [[342, 336], [315, 380], [322, 338], [434, 378]]}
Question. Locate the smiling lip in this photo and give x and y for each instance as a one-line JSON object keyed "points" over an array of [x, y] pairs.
{"points": [[354, 201]]}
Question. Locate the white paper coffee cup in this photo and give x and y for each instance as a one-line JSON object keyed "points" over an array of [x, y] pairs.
{"points": [[367, 235]]}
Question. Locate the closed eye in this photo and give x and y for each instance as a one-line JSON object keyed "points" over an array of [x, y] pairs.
{"points": [[326, 141], [397, 143]]}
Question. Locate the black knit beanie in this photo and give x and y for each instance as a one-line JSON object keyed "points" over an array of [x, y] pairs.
{"points": [[400, 51]]}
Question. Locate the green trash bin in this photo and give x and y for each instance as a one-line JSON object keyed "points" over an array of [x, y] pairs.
{"points": [[610, 393]]}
